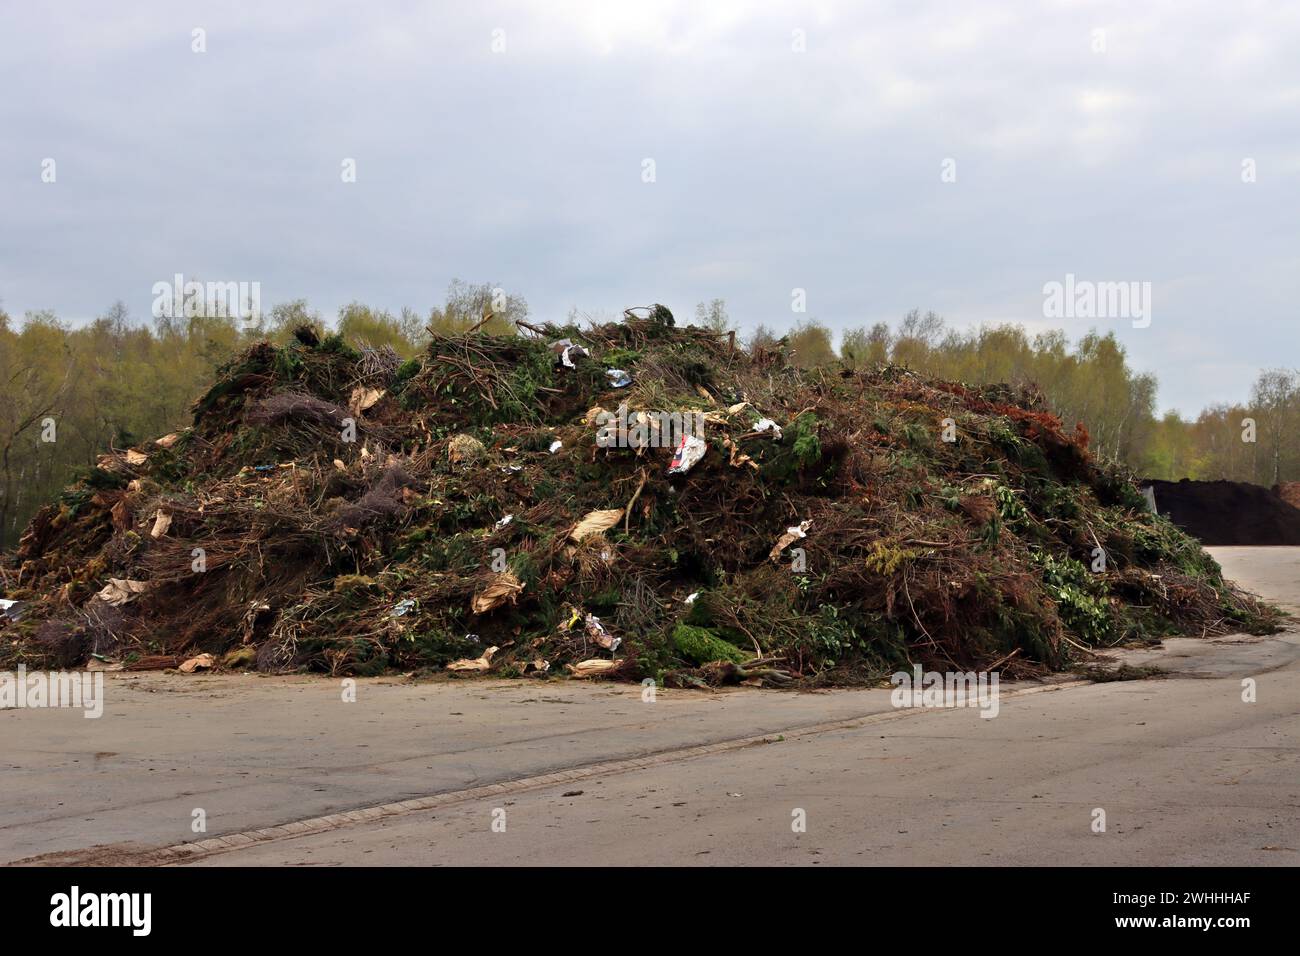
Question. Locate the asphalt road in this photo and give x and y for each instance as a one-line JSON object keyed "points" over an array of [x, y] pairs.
{"points": [[1183, 769]]}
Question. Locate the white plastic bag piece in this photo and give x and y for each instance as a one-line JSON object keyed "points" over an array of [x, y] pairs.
{"points": [[690, 451]]}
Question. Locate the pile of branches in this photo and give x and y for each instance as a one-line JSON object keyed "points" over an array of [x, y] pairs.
{"points": [[470, 511]]}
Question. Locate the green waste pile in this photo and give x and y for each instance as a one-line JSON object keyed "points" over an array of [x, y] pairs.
{"points": [[624, 501]]}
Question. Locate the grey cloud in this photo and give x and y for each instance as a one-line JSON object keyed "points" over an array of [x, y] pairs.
{"points": [[774, 169]]}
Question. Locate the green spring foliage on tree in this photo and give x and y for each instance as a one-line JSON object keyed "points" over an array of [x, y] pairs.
{"points": [[71, 391]]}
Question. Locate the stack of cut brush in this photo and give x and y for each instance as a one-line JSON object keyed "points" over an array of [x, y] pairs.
{"points": [[628, 500]]}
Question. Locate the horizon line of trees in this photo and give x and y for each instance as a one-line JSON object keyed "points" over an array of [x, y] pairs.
{"points": [[113, 382]]}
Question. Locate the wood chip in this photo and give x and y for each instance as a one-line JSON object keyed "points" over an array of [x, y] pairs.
{"points": [[363, 398], [596, 522], [504, 587], [161, 523], [481, 663], [119, 591], [203, 662], [591, 668]]}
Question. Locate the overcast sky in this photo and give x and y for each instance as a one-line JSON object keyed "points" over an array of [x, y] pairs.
{"points": [[774, 169]]}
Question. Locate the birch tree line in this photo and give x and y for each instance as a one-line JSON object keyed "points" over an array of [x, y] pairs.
{"points": [[71, 392]]}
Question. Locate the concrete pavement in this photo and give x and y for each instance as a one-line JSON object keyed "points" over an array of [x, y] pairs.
{"points": [[1185, 771]]}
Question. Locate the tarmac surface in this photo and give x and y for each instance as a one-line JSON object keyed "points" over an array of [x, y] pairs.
{"points": [[1182, 769]]}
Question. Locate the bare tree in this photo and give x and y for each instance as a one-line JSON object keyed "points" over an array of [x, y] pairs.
{"points": [[1275, 400], [713, 316]]}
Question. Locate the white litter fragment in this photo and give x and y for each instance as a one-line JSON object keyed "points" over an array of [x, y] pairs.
{"points": [[690, 598], [690, 451], [596, 631], [556, 446], [618, 377], [766, 424], [792, 534], [503, 522], [567, 352]]}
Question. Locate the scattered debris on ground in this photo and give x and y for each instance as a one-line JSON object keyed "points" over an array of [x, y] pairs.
{"points": [[1223, 513], [1109, 672], [523, 505]]}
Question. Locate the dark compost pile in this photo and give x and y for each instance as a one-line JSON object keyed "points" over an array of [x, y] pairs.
{"points": [[1229, 512]]}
